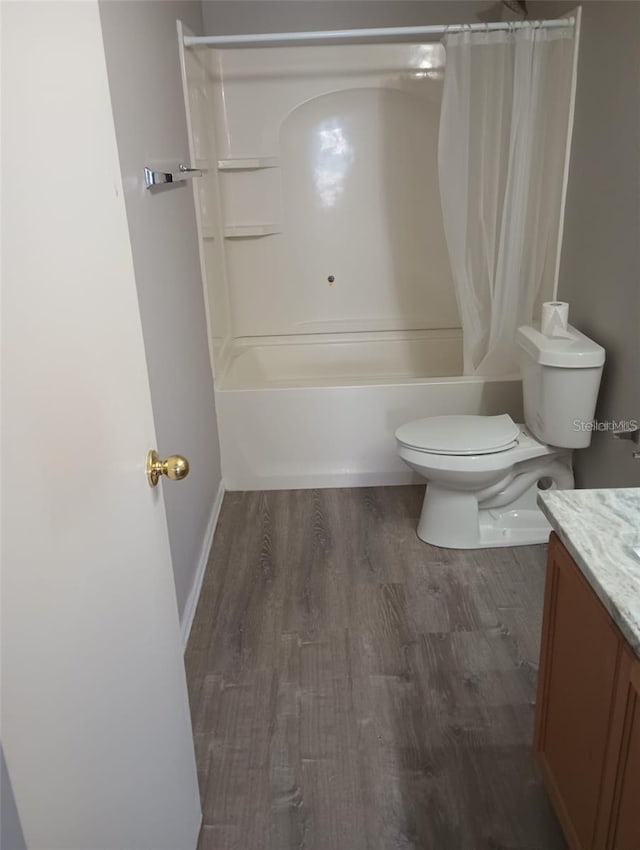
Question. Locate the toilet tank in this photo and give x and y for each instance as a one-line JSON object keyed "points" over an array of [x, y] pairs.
{"points": [[560, 382]]}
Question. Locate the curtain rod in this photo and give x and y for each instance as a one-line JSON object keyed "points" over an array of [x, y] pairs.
{"points": [[247, 40]]}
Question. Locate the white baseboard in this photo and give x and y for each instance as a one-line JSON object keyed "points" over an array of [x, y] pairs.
{"points": [[192, 601], [319, 481]]}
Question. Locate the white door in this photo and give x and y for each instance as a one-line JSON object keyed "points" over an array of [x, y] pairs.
{"points": [[95, 720]]}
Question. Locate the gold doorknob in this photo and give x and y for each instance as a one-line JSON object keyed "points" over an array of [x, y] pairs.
{"points": [[174, 467]]}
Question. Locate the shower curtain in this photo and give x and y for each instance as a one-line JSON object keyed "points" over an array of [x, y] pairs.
{"points": [[503, 130]]}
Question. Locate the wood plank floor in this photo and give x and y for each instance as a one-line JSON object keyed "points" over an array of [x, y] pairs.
{"points": [[353, 688]]}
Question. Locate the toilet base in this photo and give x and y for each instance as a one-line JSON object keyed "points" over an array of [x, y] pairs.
{"points": [[453, 520], [513, 528]]}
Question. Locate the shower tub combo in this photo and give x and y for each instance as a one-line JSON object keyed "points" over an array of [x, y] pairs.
{"points": [[331, 307]]}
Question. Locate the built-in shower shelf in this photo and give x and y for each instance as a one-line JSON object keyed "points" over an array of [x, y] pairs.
{"points": [[249, 163], [248, 231]]}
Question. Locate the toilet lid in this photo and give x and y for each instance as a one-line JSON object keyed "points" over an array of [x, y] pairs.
{"points": [[460, 435]]}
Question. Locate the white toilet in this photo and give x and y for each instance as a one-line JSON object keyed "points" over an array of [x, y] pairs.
{"points": [[484, 472]]}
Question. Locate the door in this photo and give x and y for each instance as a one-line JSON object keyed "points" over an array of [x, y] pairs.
{"points": [[95, 721]]}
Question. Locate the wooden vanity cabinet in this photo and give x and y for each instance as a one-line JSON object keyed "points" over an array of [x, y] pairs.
{"points": [[623, 831], [587, 739]]}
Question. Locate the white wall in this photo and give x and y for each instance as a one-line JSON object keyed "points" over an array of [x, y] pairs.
{"points": [[141, 48], [600, 264]]}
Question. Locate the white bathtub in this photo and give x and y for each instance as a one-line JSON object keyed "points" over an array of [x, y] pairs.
{"points": [[319, 413]]}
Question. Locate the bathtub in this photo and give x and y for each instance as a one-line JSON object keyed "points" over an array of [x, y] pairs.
{"points": [[323, 412]]}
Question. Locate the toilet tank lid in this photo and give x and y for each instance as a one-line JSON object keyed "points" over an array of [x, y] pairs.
{"points": [[575, 351], [459, 435]]}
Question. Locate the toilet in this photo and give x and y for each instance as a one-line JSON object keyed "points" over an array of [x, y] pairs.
{"points": [[484, 472]]}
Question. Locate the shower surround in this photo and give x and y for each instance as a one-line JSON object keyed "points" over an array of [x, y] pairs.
{"points": [[332, 310]]}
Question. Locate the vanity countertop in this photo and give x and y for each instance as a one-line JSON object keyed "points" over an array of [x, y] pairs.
{"points": [[601, 528]]}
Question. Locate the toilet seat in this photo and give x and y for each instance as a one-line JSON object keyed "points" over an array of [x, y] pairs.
{"points": [[460, 435]]}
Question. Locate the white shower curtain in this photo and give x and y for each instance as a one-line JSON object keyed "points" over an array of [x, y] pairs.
{"points": [[503, 131]]}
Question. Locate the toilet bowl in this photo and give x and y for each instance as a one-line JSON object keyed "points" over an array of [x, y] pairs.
{"points": [[484, 472]]}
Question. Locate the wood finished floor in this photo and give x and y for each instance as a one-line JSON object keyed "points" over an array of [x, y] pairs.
{"points": [[355, 689]]}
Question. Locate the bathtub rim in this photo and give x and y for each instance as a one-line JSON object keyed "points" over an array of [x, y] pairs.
{"points": [[373, 382], [236, 349]]}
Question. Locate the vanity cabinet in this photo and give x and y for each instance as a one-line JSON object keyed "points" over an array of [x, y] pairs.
{"points": [[623, 831], [587, 739]]}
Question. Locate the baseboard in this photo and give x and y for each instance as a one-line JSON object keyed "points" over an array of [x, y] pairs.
{"points": [[192, 601], [319, 481]]}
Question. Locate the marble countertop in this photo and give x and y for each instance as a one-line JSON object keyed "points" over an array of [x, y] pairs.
{"points": [[601, 529]]}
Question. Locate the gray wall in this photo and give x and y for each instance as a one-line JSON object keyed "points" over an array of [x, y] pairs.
{"points": [[600, 265], [222, 17], [141, 49], [11, 837]]}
